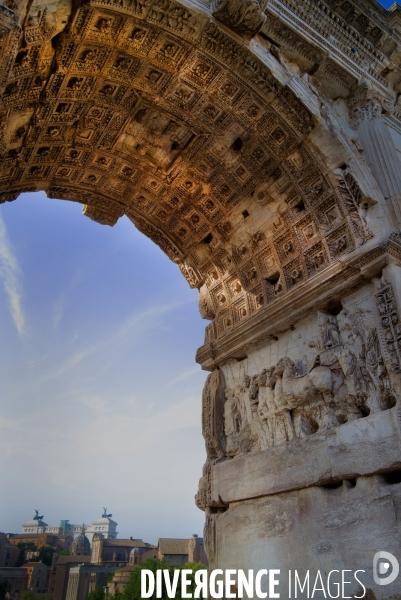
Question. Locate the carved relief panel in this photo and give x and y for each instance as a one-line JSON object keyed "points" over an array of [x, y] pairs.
{"points": [[333, 368]]}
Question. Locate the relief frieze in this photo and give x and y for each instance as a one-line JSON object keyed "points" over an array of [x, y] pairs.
{"points": [[346, 377]]}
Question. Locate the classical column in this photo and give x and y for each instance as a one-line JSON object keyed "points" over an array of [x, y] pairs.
{"points": [[367, 113]]}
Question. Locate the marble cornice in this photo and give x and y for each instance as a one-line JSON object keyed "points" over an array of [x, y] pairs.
{"points": [[315, 25], [394, 120], [310, 461], [341, 277]]}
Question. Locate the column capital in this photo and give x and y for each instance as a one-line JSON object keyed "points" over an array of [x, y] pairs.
{"points": [[366, 103]]}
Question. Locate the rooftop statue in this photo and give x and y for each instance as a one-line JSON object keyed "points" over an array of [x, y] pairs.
{"points": [[37, 516], [105, 515]]}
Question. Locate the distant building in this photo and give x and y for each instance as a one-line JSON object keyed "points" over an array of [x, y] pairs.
{"points": [[196, 550], [61, 572], [32, 575], [122, 576], [37, 577], [9, 554], [176, 551], [3, 546], [81, 545], [15, 579], [137, 555], [120, 579], [83, 579], [39, 526], [56, 541], [181, 551], [104, 526], [117, 551], [12, 556]]}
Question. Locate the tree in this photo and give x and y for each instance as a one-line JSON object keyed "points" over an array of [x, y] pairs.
{"points": [[194, 567], [25, 547], [133, 587], [30, 595], [28, 546], [46, 555], [64, 553], [97, 594]]}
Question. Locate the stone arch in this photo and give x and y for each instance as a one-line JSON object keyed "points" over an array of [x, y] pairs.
{"points": [[246, 168], [207, 141]]}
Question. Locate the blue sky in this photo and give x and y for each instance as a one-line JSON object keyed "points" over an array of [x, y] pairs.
{"points": [[101, 396], [101, 393]]}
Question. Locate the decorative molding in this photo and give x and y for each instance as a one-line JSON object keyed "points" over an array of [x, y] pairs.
{"points": [[244, 16], [284, 311]]}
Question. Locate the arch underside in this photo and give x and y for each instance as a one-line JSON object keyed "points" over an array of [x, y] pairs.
{"points": [[152, 110]]}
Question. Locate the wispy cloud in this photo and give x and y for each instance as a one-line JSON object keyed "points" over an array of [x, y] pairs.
{"points": [[71, 362], [11, 274], [142, 321], [38, 361], [64, 298], [58, 312], [185, 375], [131, 331]]}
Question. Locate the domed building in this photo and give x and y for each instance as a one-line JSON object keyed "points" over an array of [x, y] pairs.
{"points": [[135, 554], [81, 545]]}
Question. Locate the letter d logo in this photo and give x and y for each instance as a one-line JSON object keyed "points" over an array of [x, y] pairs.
{"points": [[381, 568]]}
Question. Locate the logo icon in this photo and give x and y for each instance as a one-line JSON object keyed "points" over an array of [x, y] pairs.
{"points": [[385, 563]]}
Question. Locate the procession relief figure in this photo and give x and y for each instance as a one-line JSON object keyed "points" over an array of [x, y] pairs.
{"points": [[254, 396], [363, 364], [267, 406], [329, 331], [267, 382], [347, 358], [246, 396], [238, 421], [261, 439], [232, 421]]}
